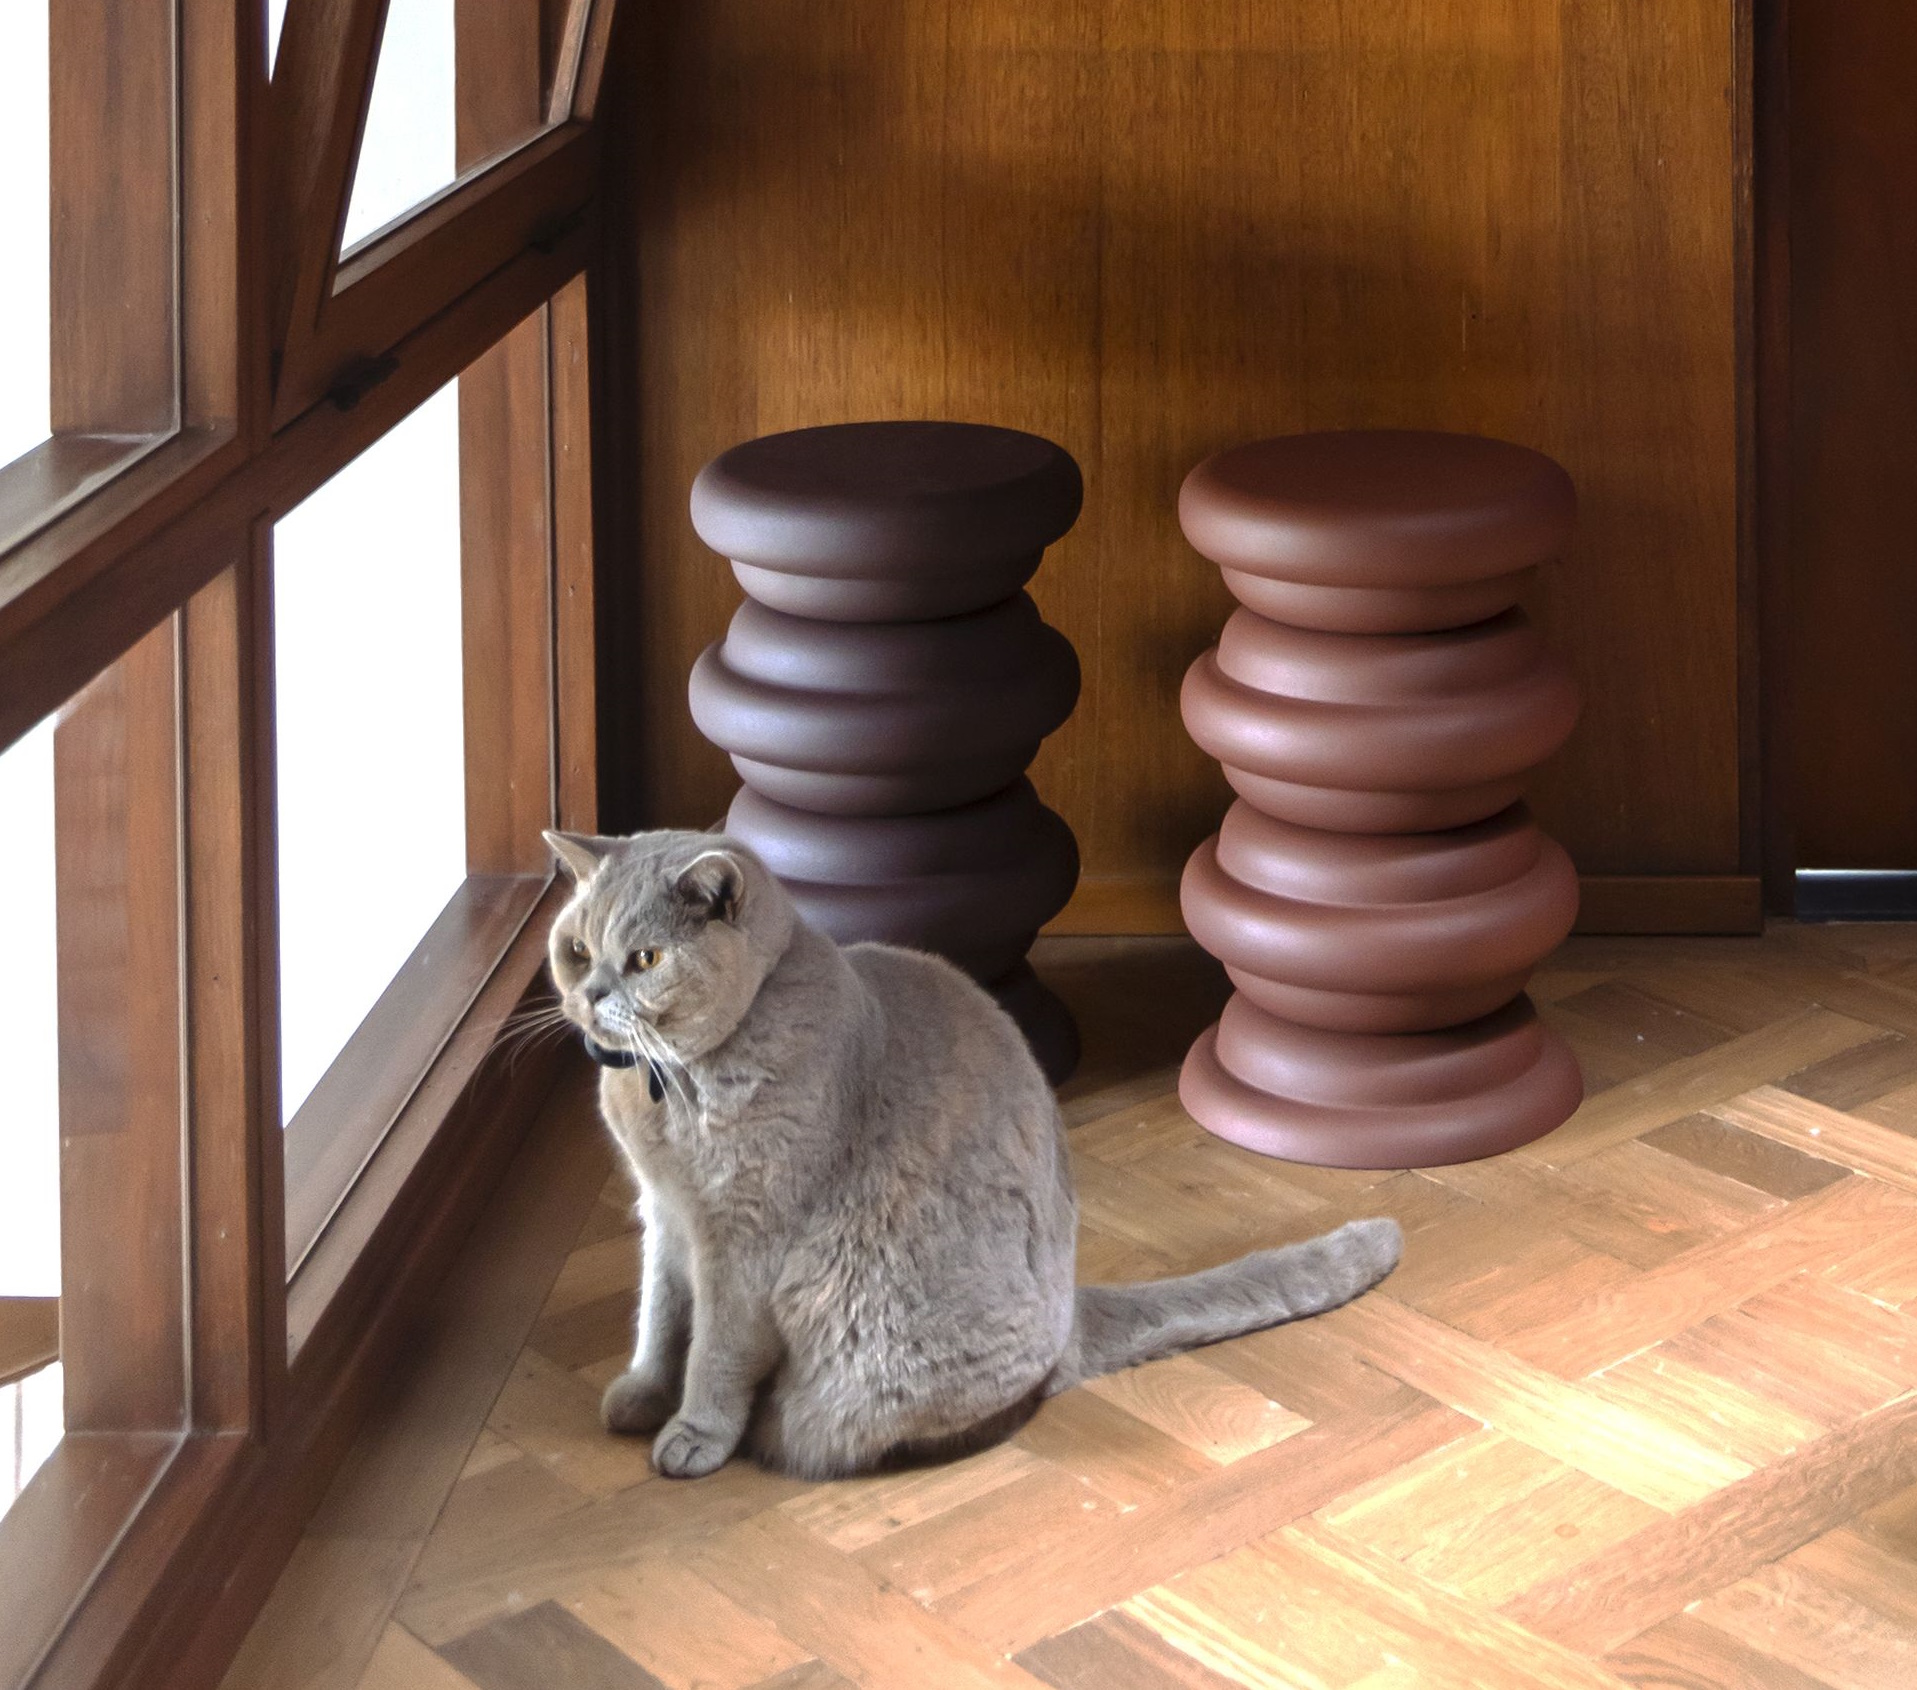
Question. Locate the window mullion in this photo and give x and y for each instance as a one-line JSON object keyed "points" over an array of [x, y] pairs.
{"points": [[238, 1246]]}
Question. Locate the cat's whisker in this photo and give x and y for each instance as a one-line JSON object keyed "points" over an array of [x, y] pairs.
{"points": [[518, 1041], [655, 1051]]}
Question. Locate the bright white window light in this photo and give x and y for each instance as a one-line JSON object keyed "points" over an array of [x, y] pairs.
{"points": [[29, 1023], [372, 787], [408, 151], [25, 201]]}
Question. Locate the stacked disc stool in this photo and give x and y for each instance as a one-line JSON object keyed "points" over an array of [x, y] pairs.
{"points": [[1379, 893], [887, 682]]}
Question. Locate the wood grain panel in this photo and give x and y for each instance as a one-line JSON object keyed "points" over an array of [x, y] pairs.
{"points": [[237, 1316], [29, 1335], [116, 886], [1148, 231], [506, 553], [113, 257], [1853, 593]]}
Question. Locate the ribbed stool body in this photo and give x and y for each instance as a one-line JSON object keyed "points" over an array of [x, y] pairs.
{"points": [[1379, 894], [887, 683]]}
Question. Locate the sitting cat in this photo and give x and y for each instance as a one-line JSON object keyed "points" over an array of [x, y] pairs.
{"points": [[859, 1223]]}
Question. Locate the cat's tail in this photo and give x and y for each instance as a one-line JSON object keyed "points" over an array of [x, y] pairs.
{"points": [[1117, 1326]]}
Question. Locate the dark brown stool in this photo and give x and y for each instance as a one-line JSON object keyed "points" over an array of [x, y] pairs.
{"points": [[887, 683], [1379, 895]]}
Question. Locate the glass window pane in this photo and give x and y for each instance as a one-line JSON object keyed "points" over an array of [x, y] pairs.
{"points": [[29, 1023], [25, 321], [30, 1406], [32, 1421], [408, 151], [372, 837], [456, 84]]}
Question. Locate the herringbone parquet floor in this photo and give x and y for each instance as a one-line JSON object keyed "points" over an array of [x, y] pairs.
{"points": [[1639, 1407]]}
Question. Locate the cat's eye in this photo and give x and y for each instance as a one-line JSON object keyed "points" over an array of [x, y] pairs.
{"points": [[581, 951], [640, 961]]}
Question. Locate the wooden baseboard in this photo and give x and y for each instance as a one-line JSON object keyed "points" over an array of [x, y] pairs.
{"points": [[1609, 903], [1670, 903]]}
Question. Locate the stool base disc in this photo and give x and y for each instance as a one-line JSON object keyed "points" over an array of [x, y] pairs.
{"points": [[1401, 1135]]}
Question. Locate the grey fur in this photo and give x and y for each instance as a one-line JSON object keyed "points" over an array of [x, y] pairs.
{"points": [[859, 1225]]}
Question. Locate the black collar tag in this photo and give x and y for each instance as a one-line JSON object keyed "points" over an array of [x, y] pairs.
{"points": [[607, 1057]]}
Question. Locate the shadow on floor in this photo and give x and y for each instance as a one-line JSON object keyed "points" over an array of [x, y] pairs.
{"points": [[1139, 1002]]}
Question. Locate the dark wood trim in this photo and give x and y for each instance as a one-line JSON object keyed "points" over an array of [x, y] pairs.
{"points": [[223, 345], [114, 251], [502, 69], [236, 1215], [324, 1295], [59, 557], [389, 286], [322, 85], [339, 1129], [1750, 743], [29, 1335], [74, 503], [81, 597], [59, 1537], [1670, 903], [634, 121], [506, 490], [582, 60], [45, 482], [215, 1516], [480, 1119], [116, 757], [1771, 472], [131, 1591], [140, 575], [519, 185], [506, 596], [575, 619]]}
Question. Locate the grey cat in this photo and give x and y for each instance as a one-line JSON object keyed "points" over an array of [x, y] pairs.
{"points": [[859, 1224]]}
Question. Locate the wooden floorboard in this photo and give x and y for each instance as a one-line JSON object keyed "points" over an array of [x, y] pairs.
{"points": [[1640, 1407]]}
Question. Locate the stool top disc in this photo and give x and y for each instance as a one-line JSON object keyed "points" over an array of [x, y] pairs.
{"points": [[954, 514], [1385, 508]]}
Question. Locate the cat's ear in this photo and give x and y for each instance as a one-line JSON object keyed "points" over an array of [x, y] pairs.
{"points": [[714, 881], [579, 853]]}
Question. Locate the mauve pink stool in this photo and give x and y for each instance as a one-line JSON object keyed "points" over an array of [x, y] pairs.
{"points": [[1379, 893]]}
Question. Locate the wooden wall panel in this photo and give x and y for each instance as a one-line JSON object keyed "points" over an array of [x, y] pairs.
{"points": [[1853, 587], [1149, 229]]}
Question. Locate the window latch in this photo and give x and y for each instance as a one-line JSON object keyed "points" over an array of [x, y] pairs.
{"points": [[355, 380]]}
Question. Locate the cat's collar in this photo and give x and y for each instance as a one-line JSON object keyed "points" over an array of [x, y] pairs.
{"points": [[607, 1057]]}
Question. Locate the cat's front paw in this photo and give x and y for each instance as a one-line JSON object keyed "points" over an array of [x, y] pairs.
{"points": [[684, 1451], [637, 1403]]}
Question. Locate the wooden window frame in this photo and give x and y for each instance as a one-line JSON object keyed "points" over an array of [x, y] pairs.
{"points": [[136, 597]]}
